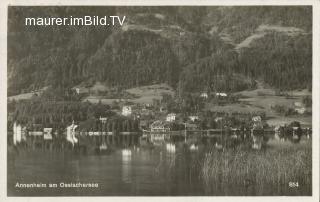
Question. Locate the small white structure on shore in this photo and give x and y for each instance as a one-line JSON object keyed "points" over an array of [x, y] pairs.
{"points": [[19, 133], [71, 134], [171, 117], [126, 110], [47, 133]]}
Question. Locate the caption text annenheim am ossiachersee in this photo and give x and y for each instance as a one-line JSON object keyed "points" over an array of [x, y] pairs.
{"points": [[87, 20]]}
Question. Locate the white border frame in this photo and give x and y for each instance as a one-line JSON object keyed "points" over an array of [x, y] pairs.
{"points": [[315, 93]]}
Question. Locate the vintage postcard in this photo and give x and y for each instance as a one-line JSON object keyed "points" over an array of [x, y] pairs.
{"points": [[161, 100]]}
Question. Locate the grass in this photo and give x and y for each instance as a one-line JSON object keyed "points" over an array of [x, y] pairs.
{"points": [[262, 98], [146, 94], [245, 172], [138, 95]]}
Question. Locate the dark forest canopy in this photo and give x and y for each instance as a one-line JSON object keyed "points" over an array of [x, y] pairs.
{"points": [[187, 53]]}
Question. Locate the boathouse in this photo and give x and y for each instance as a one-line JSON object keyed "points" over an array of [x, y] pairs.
{"points": [[159, 126]]}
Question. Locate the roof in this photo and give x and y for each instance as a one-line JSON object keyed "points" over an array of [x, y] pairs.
{"points": [[158, 124]]}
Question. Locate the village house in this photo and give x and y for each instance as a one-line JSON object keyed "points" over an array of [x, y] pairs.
{"points": [[204, 95], [298, 104], [159, 126], [299, 107], [126, 110], [171, 117], [221, 94], [193, 118], [300, 110]]}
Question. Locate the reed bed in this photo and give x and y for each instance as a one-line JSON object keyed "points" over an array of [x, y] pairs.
{"points": [[268, 172]]}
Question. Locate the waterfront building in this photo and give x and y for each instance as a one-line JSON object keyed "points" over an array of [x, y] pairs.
{"points": [[159, 126], [47, 133]]}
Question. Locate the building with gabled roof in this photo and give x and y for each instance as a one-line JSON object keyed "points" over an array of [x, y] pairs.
{"points": [[159, 126], [171, 117]]}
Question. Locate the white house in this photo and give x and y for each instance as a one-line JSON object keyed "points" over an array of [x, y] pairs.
{"points": [[171, 117], [194, 118], [256, 119], [204, 95], [126, 111], [300, 110]]}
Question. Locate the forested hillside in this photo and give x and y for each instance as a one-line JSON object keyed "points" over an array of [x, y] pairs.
{"points": [[181, 46]]}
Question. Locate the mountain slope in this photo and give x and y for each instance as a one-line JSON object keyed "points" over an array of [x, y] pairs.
{"points": [[189, 48]]}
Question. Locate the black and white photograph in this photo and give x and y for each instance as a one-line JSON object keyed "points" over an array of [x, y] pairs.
{"points": [[160, 101]]}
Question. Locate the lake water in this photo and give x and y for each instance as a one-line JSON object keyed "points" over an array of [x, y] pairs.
{"points": [[148, 171], [145, 172]]}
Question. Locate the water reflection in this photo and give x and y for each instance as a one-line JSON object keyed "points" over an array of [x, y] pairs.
{"points": [[126, 166], [154, 166]]}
